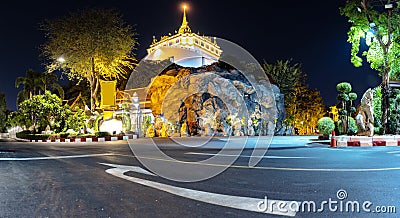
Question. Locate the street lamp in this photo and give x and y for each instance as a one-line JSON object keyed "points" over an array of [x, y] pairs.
{"points": [[61, 59]]}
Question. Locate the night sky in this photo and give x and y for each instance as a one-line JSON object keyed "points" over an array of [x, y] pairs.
{"points": [[310, 32]]}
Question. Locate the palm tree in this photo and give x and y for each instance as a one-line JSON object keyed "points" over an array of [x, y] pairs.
{"points": [[31, 85], [48, 81], [34, 83]]}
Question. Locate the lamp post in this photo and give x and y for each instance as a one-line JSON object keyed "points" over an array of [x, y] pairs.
{"points": [[61, 59]]}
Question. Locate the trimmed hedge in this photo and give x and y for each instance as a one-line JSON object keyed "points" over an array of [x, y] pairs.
{"points": [[26, 134]]}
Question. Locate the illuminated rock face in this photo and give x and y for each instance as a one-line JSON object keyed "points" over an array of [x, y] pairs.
{"points": [[212, 100]]}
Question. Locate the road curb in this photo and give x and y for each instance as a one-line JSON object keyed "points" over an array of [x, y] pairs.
{"points": [[88, 139], [363, 141]]}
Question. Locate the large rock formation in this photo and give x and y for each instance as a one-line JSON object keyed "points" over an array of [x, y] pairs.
{"points": [[213, 100]]}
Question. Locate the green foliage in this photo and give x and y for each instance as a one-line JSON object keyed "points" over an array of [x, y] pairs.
{"points": [[303, 105], [286, 75], [97, 122], [15, 119], [343, 87], [3, 113], [377, 103], [64, 135], [42, 110], [343, 97], [26, 134], [146, 123], [346, 109], [75, 120], [23, 134], [352, 127], [394, 99], [380, 28], [394, 124], [352, 96], [343, 112], [35, 83], [102, 134], [95, 44], [326, 125], [47, 110], [383, 48]]}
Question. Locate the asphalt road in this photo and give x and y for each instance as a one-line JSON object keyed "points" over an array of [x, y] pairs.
{"points": [[70, 180]]}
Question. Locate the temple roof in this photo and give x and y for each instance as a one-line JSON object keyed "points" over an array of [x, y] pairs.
{"points": [[193, 45]]}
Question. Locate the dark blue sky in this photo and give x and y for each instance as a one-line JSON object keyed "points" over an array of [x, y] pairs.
{"points": [[311, 32]]}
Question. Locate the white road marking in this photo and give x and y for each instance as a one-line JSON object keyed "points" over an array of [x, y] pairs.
{"points": [[237, 202], [53, 157], [218, 165], [229, 155], [280, 168]]}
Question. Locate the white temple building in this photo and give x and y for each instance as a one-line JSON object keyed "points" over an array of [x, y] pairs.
{"points": [[185, 48]]}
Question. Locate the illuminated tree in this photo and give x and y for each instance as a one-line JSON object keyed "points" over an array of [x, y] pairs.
{"points": [[47, 110], [290, 79], [310, 108], [378, 22], [303, 106], [90, 45]]}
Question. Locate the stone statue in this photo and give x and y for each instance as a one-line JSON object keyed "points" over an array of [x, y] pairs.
{"points": [[164, 130], [184, 132], [250, 128], [150, 131], [365, 117]]}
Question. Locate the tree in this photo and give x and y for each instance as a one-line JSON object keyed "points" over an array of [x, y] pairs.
{"points": [[31, 85], [346, 108], [290, 79], [303, 106], [378, 22], [35, 83], [3, 113], [42, 111], [310, 108], [90, 45], [49, 82]]}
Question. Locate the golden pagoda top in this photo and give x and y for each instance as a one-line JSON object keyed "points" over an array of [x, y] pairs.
{"points": [[184, 27], [185, 38]]}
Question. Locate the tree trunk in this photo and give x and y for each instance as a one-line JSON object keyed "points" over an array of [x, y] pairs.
{"points": [[93, 86], [385, 100]]}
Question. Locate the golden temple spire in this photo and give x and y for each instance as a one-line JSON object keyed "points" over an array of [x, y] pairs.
{"points": [[185, 26]]}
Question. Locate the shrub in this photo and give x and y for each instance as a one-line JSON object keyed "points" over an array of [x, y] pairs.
{"points": [[326, 125], [23, 134], [352, 96], [343, 97], [102, 134], [96, 122], [352, 129], [26, 134], [344, 87], [64, 135]]}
